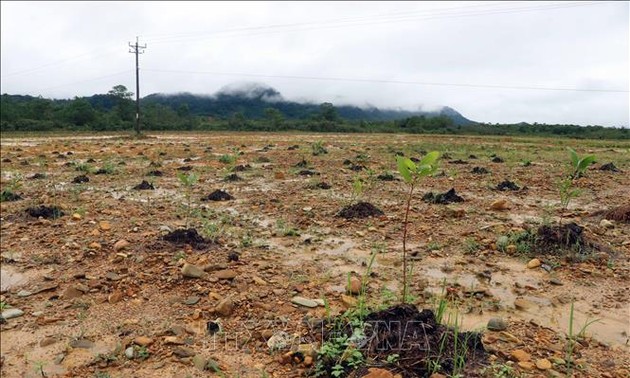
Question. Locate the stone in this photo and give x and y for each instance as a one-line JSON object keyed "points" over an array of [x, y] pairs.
{"points": [[280, 340], [308, 361], [120, 245], [104, 225], [76, 216], [192, 271], [129, 353], [24, 293], [183, 352], [523, 304], [192, 300], [307, 350], [543, 364], [143, 340], [378, 373], [11, 313], [354, 286], [497, 324], [173, 340], [348, 301], [500, 204], [526, 365], [71, 293], [534, 263], [520, 355], [46, 341], [94, 245], [226, 274], [115, 297], [200, 362], [607, 224], [82, 344], [300, 301], [225, 307]]}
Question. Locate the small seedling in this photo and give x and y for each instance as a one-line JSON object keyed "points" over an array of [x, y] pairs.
{"points": [[188, 181], [579, 164], [411, 173]]}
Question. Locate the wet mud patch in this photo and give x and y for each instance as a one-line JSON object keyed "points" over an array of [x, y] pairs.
{"points": [[442, 198], [46, 212], [360, 210], [423, 346], [218, 195], [186, 237], [144, 185]]}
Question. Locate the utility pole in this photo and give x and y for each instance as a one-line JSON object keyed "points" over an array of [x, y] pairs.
{"points": [[136, 49]]}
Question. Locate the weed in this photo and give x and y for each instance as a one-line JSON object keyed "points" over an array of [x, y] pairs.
{"points": [[3, 305], [433, 246], [572, 337], [471, 246], [227, 159], [318, 148], [142, 352], [101, 374], [188, 181], [83, 167], [411, 173]]}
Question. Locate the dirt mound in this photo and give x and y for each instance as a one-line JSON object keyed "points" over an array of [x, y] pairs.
{"points": [[497, 159], [357, 167], [619, 214], [507, 185], [609, 167], [423, 346], [80, 179], [185, 168], [301, 164], [9, 196], [242, 168], [557, 238], [307, 172], [442, 198], [144, 185], [323, 185], [47, 212], [458, 161], [37, 176], [232, 177], [186, 236], [218, 195], [155, 173], [480, 171], [386, 177], [360, 210]]}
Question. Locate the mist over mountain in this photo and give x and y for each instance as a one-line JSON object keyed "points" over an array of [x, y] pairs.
{"points": [[251, 100]]}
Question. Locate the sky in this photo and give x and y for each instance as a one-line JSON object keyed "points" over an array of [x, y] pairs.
{"points": [[498, 62]]}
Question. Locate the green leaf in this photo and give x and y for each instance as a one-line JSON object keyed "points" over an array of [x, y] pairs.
{"points": [[574, 157], [403, 167], [585, 162], [430, 158]]}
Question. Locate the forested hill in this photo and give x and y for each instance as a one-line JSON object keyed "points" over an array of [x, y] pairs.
{"points": [[252, 102]]}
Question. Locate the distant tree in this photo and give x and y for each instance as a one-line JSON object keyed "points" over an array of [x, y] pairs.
{"points": [[79, 112], [274, 118], [124, 103], [328, 112]]}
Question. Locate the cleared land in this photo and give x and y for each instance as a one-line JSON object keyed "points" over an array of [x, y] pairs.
{"points": [[102, 281]]}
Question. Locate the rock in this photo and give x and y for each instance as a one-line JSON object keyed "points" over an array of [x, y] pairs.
{"points": [[94, 245], [526, 365], [129, 353], [497, 324], [82, 344], [143, 341], [72, 292], [534, 263], [227, 274], [379, 373], [307, 350], [280, 340], [46, 341], [607, 224], [76, 216], [555, 281], [24, 293], [200, 362], [300, 301], [173, 340], [113, 276], [348, 301], [104, 225], [520, 355], [354, 286], [192, 300], [120, 245], [225, 307], [523, 304], [11, 313], [183, 352], [308, 361], [438, 375], [115, 297], [543, 364], [499, 205], [192, 271]]}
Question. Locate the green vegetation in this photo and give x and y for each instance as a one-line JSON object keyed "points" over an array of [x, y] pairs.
{"points": [[114, 111], [411, 173], [188, 181]]}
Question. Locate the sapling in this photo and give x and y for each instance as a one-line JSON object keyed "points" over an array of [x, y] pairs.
{"points": [[579, 164], [411, 173], [188, 181]]}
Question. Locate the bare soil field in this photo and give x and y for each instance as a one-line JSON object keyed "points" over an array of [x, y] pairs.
{"points": [[241, 255]]}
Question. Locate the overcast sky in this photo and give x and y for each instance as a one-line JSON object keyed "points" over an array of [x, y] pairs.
{"points": [[552, 62]]}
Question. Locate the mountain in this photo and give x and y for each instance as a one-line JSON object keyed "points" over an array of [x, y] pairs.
{"points": [[251, 100]]}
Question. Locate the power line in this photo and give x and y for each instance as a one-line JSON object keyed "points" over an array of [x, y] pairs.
{"points": [[380, 81], [351, 23], [137, 50]]}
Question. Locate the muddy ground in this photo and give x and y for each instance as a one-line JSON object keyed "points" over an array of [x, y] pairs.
{"points": [[92, 288]]}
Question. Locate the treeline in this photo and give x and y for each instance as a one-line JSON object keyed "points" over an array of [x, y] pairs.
{"points": [[115, 111]]}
